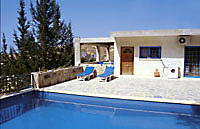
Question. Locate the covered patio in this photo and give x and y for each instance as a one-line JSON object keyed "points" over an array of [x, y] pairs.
{"points": [[81, 45], [97, 52]]}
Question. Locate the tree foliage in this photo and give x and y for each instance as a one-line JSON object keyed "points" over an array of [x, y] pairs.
{"points": [[54, 37], [46, 43], [8, 60], [26, 45]]}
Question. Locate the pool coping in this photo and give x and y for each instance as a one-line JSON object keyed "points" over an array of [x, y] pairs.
{"points": [[16, 93], [148, 99]]}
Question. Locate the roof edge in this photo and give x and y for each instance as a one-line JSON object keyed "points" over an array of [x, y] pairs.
{"points": [[97, 40], [174, 32]]}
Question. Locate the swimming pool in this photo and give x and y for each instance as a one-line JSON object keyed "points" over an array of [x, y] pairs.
{"points": [[45, 110]]}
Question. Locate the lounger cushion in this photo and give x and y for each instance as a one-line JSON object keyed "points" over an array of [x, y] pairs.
{"points": [[88, 71], [108, 71]]}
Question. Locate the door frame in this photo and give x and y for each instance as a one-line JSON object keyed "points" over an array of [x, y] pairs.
{"points": [[121, 58]]}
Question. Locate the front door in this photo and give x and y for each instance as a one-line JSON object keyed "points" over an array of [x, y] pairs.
{"points": [[127, 60]]}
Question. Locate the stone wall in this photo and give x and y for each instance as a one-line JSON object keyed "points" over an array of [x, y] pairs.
{"points": [[44, 79]]}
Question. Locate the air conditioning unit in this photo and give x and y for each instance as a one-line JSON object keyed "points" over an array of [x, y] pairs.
{"points": [[184, 39]]}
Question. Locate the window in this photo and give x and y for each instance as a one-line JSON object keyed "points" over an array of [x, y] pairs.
{"points": [[192, 61], [150, 52]]}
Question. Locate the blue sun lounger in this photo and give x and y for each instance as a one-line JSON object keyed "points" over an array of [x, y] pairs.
{"points": [[108, 73], [87, 73]]}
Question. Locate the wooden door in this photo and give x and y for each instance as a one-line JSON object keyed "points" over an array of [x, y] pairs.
{"points": [[127, 60]]}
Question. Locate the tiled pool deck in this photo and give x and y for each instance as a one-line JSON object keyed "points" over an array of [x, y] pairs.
{"points": [[186, 91]]}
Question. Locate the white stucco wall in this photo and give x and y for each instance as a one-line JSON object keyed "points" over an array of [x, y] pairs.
{"points": [[171, 52], [77, 50]]}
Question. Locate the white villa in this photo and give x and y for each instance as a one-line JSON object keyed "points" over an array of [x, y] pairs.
{"points": [[174, 53]]}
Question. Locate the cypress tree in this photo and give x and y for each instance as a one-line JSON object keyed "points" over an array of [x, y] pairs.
{"points": [[4, 51], [8, 60], [43, 19], [31, 48], [22, 27], [12, 63], [25, 42], [1, 59], [67, 39], [5, 57], [52, 34], [1, 62]]}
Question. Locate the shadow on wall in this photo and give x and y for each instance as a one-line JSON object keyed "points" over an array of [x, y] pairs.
{"points": [[169, 45]]}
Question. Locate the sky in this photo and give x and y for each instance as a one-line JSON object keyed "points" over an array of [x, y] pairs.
{"points": [[97, 18]]}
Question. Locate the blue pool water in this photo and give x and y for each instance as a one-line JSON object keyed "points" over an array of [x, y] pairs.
{"points": [[43, 110]]}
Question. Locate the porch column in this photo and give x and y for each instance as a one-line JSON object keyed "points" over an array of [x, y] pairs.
{"points": [[116, 58], [77, 51], [97, 54], [108, 53]]}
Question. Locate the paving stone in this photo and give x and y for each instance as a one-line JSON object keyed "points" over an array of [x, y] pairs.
{"points": [[175, 89]]}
